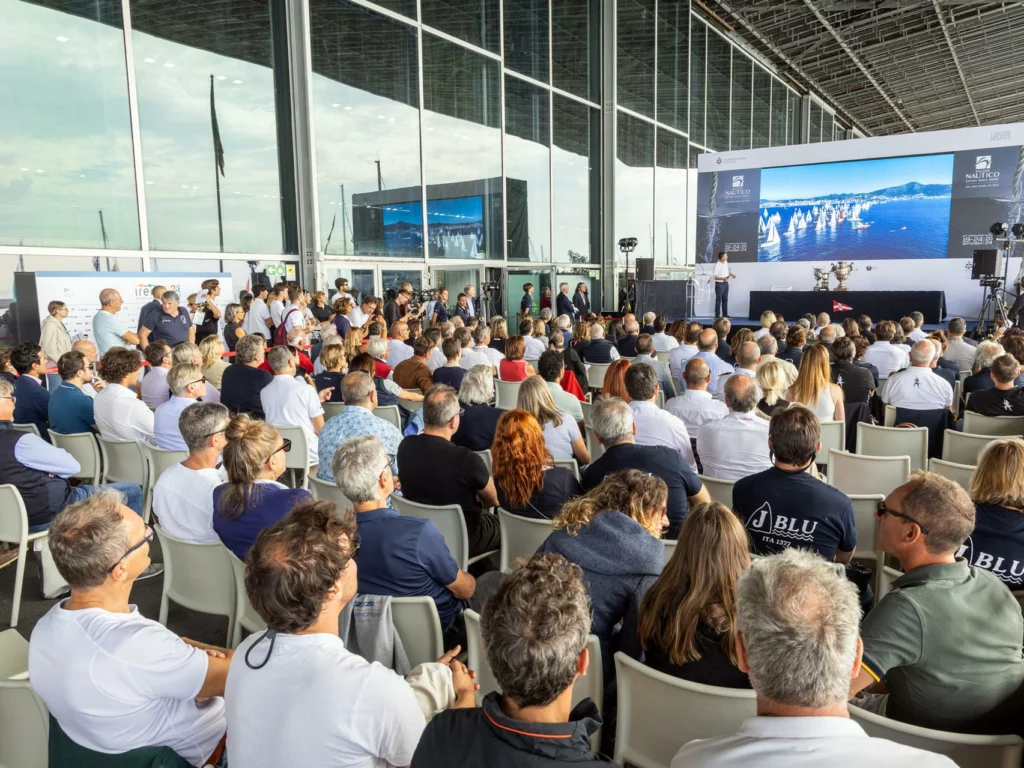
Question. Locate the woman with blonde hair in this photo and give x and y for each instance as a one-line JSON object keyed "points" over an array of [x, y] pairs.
{"points": [[767, 318], [615, 380], [214, 365], [814, 388], [252, 499], [514, 367], [187, 352], [353, 342], [528, 483], [561, 433], [613, 534], [332, 358], [997, 490], [540, 330], [774, 381], [580, 337], [687, 623], [499, 334]]}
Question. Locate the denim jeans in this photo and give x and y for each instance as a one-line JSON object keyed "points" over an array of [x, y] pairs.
{"points": [[132, 498]]}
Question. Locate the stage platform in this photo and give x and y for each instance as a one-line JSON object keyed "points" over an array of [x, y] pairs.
{"points": [[742, 322]]}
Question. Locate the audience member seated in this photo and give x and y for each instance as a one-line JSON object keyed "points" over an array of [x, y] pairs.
{"points": [[613, 534], [814, 389], [335, 708], [452, 372], [183, 496], [774, 379], [70, 409], [943, 368], [615, 381], [796, 339], [645, 355], [708, 345], [244, 381], [786, 506], [413, 372], [997, 490], [570, 360], [795, 612], [768, 348], [551, 367], [479, 419], [599, 350], [885, 357], [252, 499], [748, 355], [377, 348], [33, 401], [188, 385], [767, 318], [293, 402], [918, 387], [862, 345], [187, 352], [332, 358], [984, 355], [627, 344], [581, 336], [696, 405], [154, 389], [561, 432], [120, 415], [499, 334], [514, 367], [482, 346], [653, 425], [681, 355], [687, 619], [856, 382], [528, 483], [959, 350], [398, 350], [435, 471], [946, 641], [534, 347], [355, 420], [662, 341], [736, 446], [612, 422], [1005, 398], [214, 364], [437, 358]]}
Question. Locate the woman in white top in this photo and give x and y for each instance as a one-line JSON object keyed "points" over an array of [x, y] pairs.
{"points": [[813, 387], [767, 318], [561, 433]]}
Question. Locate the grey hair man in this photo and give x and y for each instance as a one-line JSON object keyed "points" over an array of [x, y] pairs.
{"points": [[737, 445], [747, 358], [535, 634], [797, 620], [187, 385], [959, 350], [615, 429], [293, 402], [984, 356], [362, 470], [645, 354], [477, 386], [769, 347], [436, 471], [918, 386], [183, 496], [242, 382], [355, 420]]}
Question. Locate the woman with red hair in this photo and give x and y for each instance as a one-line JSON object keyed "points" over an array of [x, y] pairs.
{"points": [[615, 380], [526, 479]]}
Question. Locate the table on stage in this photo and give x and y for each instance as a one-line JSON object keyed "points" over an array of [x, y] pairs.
{"points": [[878, 305]]}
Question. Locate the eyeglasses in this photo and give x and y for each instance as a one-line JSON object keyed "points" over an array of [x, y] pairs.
{"points": [[147, 537], [12, 398], [197, 381], [286, 446], [225, 429], [884, 510], [354, 545]]}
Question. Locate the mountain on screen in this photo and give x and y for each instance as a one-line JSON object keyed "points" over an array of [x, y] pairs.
{"points": [[903, 191]]}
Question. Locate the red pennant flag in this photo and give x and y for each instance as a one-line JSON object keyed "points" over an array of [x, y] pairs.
{"points": [[840, 307]]}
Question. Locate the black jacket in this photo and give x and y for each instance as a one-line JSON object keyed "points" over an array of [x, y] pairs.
{"points": [[564, 306], [486, 737], [582, 302]]}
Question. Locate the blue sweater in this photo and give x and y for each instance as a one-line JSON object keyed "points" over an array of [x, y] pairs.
{"points": [[267, 503]]}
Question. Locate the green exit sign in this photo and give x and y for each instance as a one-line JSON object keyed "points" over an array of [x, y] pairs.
{"points": [[274, 270]]}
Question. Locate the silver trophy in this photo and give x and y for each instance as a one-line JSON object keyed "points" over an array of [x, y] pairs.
{"points": [[842, 271], [821, 275]]}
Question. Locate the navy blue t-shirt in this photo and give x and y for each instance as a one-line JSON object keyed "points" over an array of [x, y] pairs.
{"points": [[330, 379], [661, 461], [781, 509], [172, 330], [997, 543], [406, 557], [477, 427], [450, 375], [267, 504]]}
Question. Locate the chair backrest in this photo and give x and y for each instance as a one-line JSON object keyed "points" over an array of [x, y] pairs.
{"points": [[477, 660], [662, 356], [123, 461], [699, 712], [419, 627], [1006, 426], [833, 435], [160, 459], [13, 517], [720, 490], [660, 399], [853, 473], [958, 391], [197, 576], [586, 405], [569, 464], [83, 446], [961, 474], [506, 394], [321, 489], [30, 428], [889, 419], [298, 457], [13, 654], [332, 409], [596, 373], [670, 548], [965, 447], [486, 456], [894, 441], [594, 446], [245, 616], [24, 726], [449, 521], [520, 537], [390, 414], [966, 750]]}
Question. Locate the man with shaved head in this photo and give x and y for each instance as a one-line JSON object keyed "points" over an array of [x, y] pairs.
{"points": [[736, 446], [109, 329], [696, 406], [918, 386], [707, 345]]}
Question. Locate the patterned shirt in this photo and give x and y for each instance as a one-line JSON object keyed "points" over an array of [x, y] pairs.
{"points": [[355, 421]]}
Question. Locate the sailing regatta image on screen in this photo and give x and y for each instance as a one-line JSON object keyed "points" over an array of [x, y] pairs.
{"points": [[886, 208], [455, 227]]}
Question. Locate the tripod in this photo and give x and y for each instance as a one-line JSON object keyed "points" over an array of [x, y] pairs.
{"points": [[993, 303]]}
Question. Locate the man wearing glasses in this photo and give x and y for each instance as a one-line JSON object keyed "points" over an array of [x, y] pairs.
{"points": [[187, 385], [943, 649], [114, 680]]}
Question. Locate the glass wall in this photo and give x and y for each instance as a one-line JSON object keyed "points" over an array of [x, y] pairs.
{"points": [[574, 173], [634, 184], [527, 171], [670, 199], [740, 105], [635, 55]]}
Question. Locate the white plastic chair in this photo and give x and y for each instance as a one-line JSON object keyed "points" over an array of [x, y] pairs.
{"points": [[520, 537], [958, 391], [662, 356], [13, 654], [965, 447], [853, 473], [486, 456], [720, 490], [449, 520], [32, 429], [390, 414], [24, 726], [321, 489], [332, 409], [670, 548], [698, 712], [198, 577], [960, 474], [158, 460], [419, 627], [594, 446], [83, 446], [297, 459], [894, 441], [1004, 426], [966, 750], [411, 405], [596, 373], [569, 464], [125, 462], [245, 617], [889, 419], [866, 523], [506, 394], [14, 530], [833, 435], [586, 405]]}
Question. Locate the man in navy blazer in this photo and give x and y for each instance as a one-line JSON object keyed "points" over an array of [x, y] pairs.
{"points": [[32, 401], [564, 304]]}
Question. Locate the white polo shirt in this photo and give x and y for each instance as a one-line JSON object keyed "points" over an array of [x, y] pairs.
{"points": [[341, 711], [734, 447], [293, 320], [492, 354], [803, 742], [535, 348], [291, 402], [721, 269], [120, 681], [474, 356], [256, 319], [886, 358], [919, 388], [436, 359], [357, 317], [120, 415], [694, 407], [663, 342], [398, 352], [655, 426], [720, 386], [183, 500], [679, 357]]}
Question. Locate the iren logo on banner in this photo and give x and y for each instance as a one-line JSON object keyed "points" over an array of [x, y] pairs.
{"points": [[838, 306]]}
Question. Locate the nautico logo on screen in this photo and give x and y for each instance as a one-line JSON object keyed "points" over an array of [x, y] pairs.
{"points": [[738, 191], [982, 175]]}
